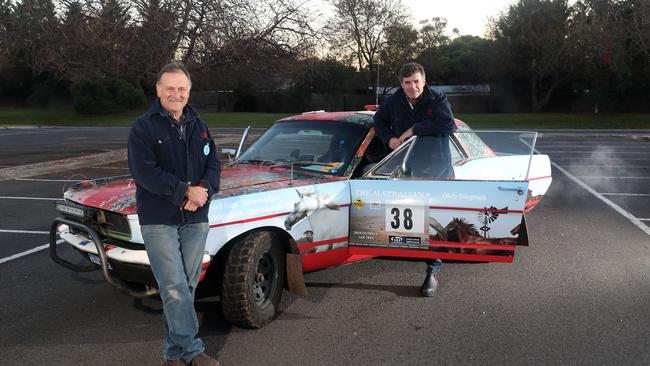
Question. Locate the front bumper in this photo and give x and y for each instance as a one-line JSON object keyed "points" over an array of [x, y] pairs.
{"points": [[109, 264], [117, 264]]}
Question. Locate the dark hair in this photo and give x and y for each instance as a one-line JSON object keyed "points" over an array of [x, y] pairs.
{"points": [[409, 69], [174, 66]]}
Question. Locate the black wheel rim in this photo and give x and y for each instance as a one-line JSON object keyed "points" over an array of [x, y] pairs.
{"points": [[265, 279]]}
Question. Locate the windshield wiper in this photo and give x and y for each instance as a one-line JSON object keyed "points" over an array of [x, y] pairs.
{"points": [[302, 162], [255, 161]]}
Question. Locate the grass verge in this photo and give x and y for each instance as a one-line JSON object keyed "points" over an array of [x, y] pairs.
{"points": [[42, 117]]}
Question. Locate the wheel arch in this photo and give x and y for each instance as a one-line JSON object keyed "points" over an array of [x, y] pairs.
{"points": [[214, 272]]}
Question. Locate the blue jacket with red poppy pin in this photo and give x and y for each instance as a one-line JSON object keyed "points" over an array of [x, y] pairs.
{"points": [[163, 164], [430, 116]]}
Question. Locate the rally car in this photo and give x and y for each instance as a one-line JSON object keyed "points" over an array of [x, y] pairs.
{"points": [[319, 190]]}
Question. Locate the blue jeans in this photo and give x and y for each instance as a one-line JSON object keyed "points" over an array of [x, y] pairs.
{"points": [[175, 254], [434, 265]]}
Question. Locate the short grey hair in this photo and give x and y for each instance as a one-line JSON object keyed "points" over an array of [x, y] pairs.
{"points": [[174, 66]]}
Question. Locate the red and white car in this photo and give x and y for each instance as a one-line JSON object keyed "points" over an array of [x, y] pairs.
{"points": [[314, 191]]}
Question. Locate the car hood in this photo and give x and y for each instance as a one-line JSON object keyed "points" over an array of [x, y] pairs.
{"points": [[117, 194]]}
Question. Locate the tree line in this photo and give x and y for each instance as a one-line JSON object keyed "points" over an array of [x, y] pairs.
{"points": [[104, 54]]}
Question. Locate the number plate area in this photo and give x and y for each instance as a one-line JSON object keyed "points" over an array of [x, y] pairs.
{"points": [[391, 223], [405, 226], [95, 259]]}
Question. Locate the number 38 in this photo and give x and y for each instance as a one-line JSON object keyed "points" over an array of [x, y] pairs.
{"points": [[401, 219]]}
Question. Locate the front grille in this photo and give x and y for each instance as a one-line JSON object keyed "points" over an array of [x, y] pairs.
{"points": [[116, 225], [107, 223]]}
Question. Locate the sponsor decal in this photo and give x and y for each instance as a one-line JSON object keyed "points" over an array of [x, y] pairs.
{"points": [[358, 203], [405, 240]]}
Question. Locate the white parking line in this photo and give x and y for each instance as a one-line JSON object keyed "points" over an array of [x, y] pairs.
{"points": [[47, 180], [611, 204], [31, 198], [27, 252], [648, 219], [23, 232]]}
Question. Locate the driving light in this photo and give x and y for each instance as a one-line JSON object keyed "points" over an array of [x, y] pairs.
{"points": [[70, 210]]}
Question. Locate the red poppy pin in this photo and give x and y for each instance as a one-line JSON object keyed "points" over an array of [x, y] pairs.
{"points": [[429, 112], [204, 134]]}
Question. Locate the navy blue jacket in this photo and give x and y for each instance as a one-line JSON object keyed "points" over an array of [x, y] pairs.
{"points": [[164, 165], [430, 116]]}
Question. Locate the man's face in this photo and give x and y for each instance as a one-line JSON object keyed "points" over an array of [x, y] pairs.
{"points": [[413, 85], [173, 91]]}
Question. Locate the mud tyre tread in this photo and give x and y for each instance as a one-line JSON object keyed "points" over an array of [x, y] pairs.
{"points": [[237, 294]]}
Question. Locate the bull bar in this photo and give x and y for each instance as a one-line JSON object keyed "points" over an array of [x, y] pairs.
{"points": [[92, 267]]}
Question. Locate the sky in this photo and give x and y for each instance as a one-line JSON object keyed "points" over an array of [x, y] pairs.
{"points": [[469, 16]]}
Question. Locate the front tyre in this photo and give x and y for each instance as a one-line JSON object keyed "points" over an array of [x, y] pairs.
{"points": [[253, 280]]}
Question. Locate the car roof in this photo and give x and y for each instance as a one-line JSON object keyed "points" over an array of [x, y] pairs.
{"points": [[356, 117]]}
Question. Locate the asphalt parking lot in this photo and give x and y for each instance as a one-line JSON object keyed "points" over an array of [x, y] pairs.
{"points": [[578, 295]]}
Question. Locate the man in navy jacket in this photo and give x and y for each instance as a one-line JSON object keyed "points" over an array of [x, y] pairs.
{"points": [[174, 164], [416, 109]]}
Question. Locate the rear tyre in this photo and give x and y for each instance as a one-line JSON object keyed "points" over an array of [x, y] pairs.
{"points": [[253, 280]]}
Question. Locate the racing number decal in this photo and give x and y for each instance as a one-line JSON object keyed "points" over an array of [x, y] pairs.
{"points": [[407, 222], [404, 219]]}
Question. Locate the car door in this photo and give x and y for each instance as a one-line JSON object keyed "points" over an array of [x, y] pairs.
{"points": [[400, 208]]}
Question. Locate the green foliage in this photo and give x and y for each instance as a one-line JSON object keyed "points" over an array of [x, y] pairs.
{"points": [[401, 47], [326, 76], [432, 32], [41, 95], [94, 95], [48, 117], [15, 81], [465, 60], [532, 45]]}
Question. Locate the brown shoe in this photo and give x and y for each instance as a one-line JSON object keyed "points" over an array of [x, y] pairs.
{"points": [[204, 360], [178, 362]]}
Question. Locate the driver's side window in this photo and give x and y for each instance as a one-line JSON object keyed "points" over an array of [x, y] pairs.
{"points": [[430, 157], [389, 166]]}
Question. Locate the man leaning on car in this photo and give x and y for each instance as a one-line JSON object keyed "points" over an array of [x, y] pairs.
{"points": [[416, 109], [173, 162]]}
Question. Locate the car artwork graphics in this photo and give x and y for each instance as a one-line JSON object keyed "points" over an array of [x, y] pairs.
{"points": [[319, 190]]}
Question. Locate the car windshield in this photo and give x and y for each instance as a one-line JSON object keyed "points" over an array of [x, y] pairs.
{"points": [[320, 142]]}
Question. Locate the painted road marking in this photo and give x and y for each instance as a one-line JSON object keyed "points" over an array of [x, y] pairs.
{"points": [[31, 198], [23, 232], [611, 204], [56, 166], [28, 252]]}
